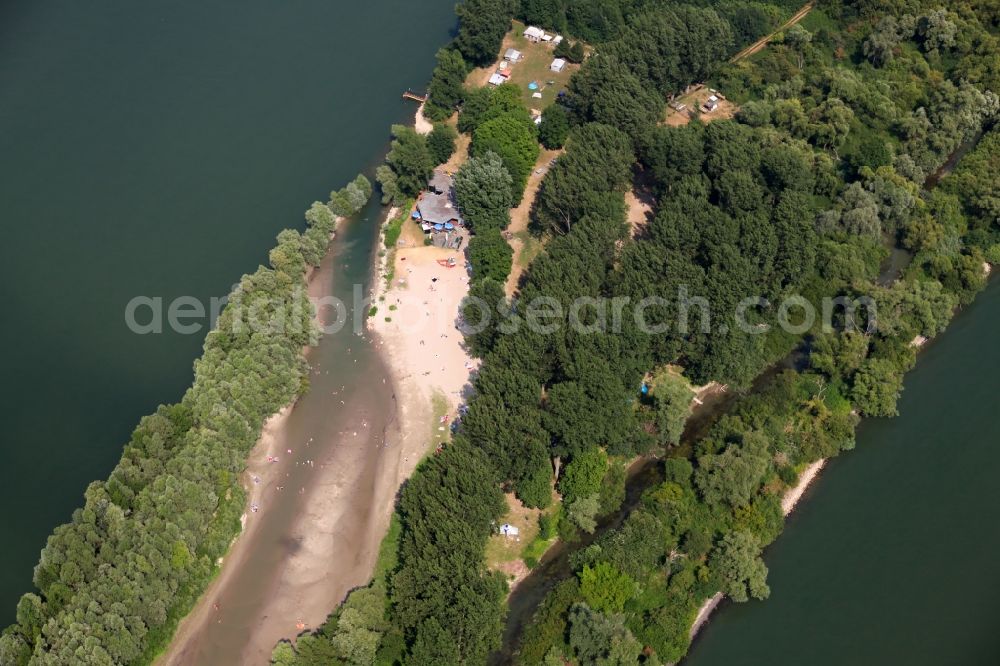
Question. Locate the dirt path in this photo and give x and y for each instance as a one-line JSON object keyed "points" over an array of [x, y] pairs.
{"points": [[640, 210], [520, 217], [761, 43]]}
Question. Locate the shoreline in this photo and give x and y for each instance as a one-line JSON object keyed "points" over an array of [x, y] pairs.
{"points": [[789, 501], [794, 495], [257, 467], [408, 434]]}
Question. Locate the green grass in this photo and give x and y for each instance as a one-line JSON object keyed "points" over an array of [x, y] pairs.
{"points": [[817, 20], [530, 249], [388, 552], [439, 407], [533, 552], [534, 66], [394, 227]]}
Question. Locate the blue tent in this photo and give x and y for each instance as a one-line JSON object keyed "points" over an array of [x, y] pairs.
{"points": [[416, 215], [532, 86], [438, 227], [645, 389], [449, 226]]}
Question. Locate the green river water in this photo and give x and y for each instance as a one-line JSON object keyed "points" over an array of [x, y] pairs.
{"points": [[155, 149]]}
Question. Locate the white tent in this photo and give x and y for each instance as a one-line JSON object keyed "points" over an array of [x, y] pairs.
{"points": [[497, 79], [533, 34], [509, 530], [558, 65]]}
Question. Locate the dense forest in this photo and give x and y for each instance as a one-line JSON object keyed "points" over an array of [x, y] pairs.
{"points": [[831, 161], [114, 582]]}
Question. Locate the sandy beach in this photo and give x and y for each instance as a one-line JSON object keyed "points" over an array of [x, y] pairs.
{"points": [[416, 324], [420, 122], [323, 541], [788, 503]]}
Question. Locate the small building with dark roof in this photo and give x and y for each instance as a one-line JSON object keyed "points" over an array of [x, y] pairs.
{"points": [[440, 182], [438, 209]]}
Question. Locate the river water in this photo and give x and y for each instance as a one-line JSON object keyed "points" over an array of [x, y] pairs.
{"points": [[155, 149], [891, 559]]}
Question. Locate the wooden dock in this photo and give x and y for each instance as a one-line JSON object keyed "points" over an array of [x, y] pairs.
{"points": [[409, 94]]}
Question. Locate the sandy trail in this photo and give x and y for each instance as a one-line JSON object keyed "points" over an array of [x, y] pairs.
{"points": [[420, 122], [520, 217]]}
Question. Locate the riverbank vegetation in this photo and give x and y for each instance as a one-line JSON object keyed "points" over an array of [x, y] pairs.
{"points": [[114, 582], [844, 121]]}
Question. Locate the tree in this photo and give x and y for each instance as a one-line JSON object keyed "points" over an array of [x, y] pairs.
{"points": [[607, 91], [514, 139], [483, 310], [482, 26], [447, 87], [739, 568], [839, 355], [387, 180], [880, 45], [734, 475], [859, 214], [937, 31], [877, 386], [598, 160], [601, 640], [491, 256], [360, 626], [441, 142], [672, 398], [434, 645], [410, 161], [484, 192], [751, 22], [352, 198], [583, 475], [562, 49], [554, 128], [283, 654], [583, 512], [798, 38], [605, 588]]}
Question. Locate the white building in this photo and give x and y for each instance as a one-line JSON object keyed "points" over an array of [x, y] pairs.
{"points": [[512, 55], [533, 34]]}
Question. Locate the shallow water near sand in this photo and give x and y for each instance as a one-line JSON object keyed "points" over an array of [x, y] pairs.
{"points": [[891, 557], [330, 446], [156, 149]]}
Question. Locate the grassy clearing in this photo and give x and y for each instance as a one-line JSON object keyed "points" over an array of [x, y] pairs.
{"points": [[534, 66], [440, 432], [501, 549], [693, 102], [394, 228], [388, 551], [531, 247]]}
